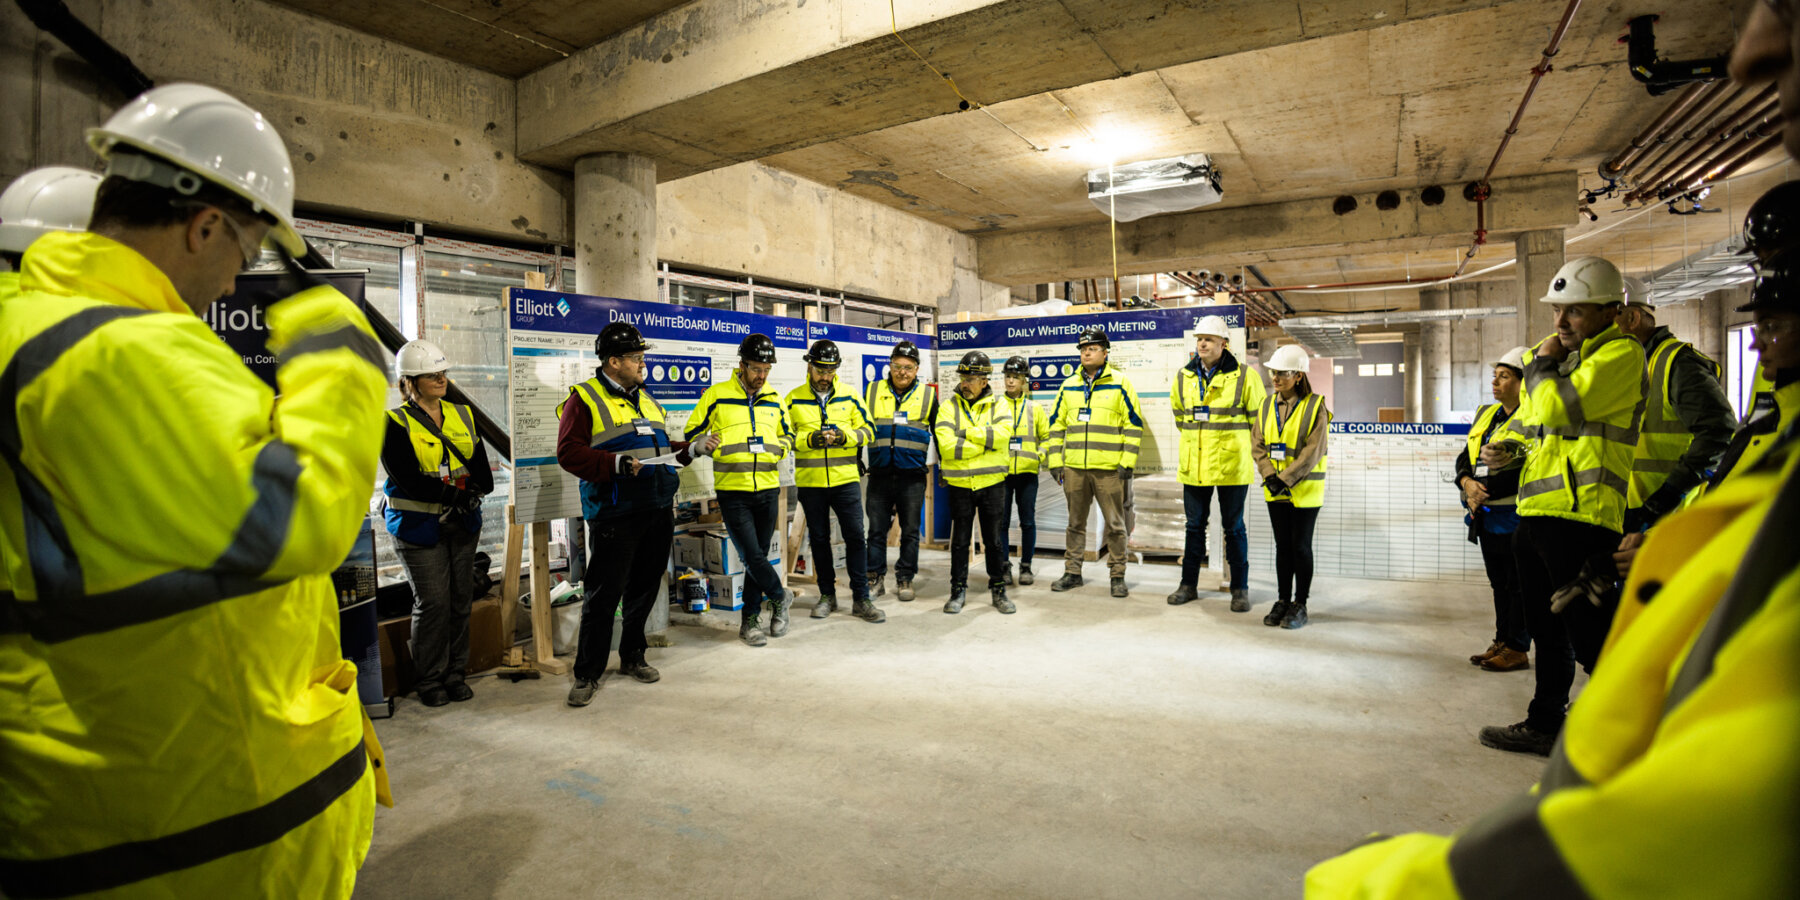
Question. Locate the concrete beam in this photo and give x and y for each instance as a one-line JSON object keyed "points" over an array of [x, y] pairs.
{"points": [[1246, 235]]}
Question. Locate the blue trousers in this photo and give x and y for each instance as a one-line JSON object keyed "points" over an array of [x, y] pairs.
{"points": [[1022, 489], [845, 501], [750, 518], [1198, 501]]}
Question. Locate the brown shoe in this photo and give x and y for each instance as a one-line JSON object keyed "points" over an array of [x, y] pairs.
{"points": [[1507, 660], [1487, 654]]}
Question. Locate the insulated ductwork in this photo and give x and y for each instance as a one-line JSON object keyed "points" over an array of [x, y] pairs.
{"points": [[1135, 190]]}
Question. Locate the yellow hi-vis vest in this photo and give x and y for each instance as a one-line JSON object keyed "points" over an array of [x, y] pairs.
{"points": [[1484, 417], [1097, 425], [1030, 426], [827, 466], [176, 717], [415, 520], [902, 425], [1214, 422], [1308, 416], [1781, 402], [1662, 438], [622, 428], [972, 440], [753, 434], [1587, 425]]}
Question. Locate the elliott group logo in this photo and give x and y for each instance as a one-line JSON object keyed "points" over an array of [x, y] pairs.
{"points": [[562, 305], [962, 335]]}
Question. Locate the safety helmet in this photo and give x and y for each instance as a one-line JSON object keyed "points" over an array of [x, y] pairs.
{"points": [[757, 348], [619, 339], [1093, 335], [1774, 220], [1213, 325], [1513, 359], [1587, 279], [905, 349], [420, 358], [1287, 358], [1637, 293], [1777, 288], [210, 134], [974, 362], [1017, 365], [54, 198], [824, 354]]}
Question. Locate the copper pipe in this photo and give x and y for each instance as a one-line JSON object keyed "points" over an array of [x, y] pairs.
{"points": [[1729, 161], [1618, 165], [1727, 134], [1706, 159], [1720, 134], [1677, 143]]}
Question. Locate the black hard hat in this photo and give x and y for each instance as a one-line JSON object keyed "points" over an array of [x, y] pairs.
{"points": [[1774, 220], [1094, 335], [906, 349], [824, 354], [1777, 287], [757, 348], [1017, 365], [974, 362], [618, 339]]}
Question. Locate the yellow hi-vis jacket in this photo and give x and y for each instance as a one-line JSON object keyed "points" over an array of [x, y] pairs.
{"points": [[1098, 424], [1662, 437], [972, 439], [753, 434], [176, 717], [416, 519], [1030, 426], [1781, 402], [903, 424], [827, 466], [1282, 440], [9, 284], [1586, 417], [1213, 417], [1676, 772]]}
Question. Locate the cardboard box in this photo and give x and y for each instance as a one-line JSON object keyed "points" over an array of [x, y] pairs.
{"points": [[689, 551], [723, 557], [487, 646], [726, 592], [398, 677], [803, 565]]}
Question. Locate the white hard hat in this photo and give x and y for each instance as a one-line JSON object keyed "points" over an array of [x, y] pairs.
{"points": [[56, 198], [1637, 293], [420, 358], [1514, 358], [206, 132], [1588, 279], [1288, 358], [1213, 325]]}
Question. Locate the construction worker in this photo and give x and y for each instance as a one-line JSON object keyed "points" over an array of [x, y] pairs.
{"points": [[1030, 428], [1773, 222], [1288, 444], [1491, 498], [1214, 397], [973, 435], [904, 412], [176, 718], [753, 431], [1584, 388], [437, 474], [1096, 426], [54, 198], [830, 428], [1686, 423], [1774, 308], [607, 426]]}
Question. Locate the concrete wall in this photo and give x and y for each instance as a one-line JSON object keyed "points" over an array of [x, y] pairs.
{"points": [[1476, 343], [1357, 397]]}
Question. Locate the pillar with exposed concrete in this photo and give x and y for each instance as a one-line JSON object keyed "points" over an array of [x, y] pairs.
{"points": [[615, 226], [1415, 384], [1434, 359], [1539, 254]]}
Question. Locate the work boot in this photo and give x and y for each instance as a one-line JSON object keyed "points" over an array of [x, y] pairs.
{"points": [[778, 614], [459, 692], [1025, 573], [1240, 600], [1520, 737], [434, 697], [1009, 574], [1487, 654], [1118, 587], [826, 606], [902, 589], [958, 594], [1295, 616], [1277, 612], [640, 670], [1184, 594], [1000, 602], [1069, 581], [749, 633], [865, 610], [582, 693], [1507, 660], [877, 585]]}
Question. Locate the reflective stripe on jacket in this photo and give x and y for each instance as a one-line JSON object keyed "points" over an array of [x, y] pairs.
{"points": [[972, 439], [1586, 417], [1662, 437], [827, 466], [741, 423], [1114, 429], [1216, 451], [1306, 420], [1030, 426], [896, 445], [415, 519], [1484, 420], [176, 717], [634, 426]]}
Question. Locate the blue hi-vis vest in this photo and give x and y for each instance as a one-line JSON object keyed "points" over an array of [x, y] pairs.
{"points": [[417, 521], [896, 445], [633, 426]]}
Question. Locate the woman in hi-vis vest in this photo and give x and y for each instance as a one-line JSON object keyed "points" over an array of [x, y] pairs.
{"points": [[437, 473], [1287, 441]]}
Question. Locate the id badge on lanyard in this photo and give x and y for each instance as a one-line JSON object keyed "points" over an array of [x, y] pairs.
{"points": [[756, 443], [1203, 413], [1083, 415], [1016, 444], [1481, 471], [643, 426], [1278, 452], [899, 417]]}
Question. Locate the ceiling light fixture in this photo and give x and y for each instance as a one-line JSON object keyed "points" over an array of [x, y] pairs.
{"points": [[1132, 191]]}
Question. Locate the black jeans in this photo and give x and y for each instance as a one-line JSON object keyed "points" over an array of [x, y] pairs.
{"points": [[626, 559], [443, 585], [1293, 549], [964, 505], [1022, 489], [750, 519], [1503, 575], [846, 501], [1550, 553], [893, 492], [1197, 502]]}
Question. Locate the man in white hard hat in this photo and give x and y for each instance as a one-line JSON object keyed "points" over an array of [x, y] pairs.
{"points": [[54, 198], [177, 719], [1214, 398], [1584, 389]]}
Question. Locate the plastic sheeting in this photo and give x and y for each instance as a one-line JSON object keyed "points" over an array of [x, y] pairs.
{"points": [[1135, 190]]}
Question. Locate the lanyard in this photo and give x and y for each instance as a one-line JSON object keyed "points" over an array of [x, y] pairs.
{"points": [[1500, 418], [1281, 423], [1020, 411]]}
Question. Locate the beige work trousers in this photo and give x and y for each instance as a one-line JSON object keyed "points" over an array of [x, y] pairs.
{"points": [[1081, 488]]}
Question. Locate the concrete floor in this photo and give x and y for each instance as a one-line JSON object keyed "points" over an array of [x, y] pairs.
{"points": [[1084, 747]]}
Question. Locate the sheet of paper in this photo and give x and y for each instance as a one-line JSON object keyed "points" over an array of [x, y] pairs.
{"points": [[667, 459]]}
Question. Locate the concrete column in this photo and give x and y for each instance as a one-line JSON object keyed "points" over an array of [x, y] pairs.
{"points": [[1709, 337], [615, 226], [1434, 359], [1415, 379], [1540, 254]]}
